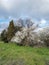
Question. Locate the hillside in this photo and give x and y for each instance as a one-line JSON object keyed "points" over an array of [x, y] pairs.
{"points": [[11, 54]]}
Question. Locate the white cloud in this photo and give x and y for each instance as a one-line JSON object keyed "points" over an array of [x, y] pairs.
{"points": [[43, 21], [5, 4], [32, 8]]}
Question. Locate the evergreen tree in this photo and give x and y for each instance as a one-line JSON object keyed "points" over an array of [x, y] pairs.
{"points": [[11, 30]]}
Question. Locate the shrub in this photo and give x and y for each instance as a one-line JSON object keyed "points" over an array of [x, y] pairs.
{"points": [[4, 36]]}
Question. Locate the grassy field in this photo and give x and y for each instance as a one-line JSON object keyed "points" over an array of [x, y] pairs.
{"points": [[11, 54]]}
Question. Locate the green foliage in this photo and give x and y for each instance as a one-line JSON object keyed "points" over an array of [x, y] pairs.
{"points": [[4, 36], [11, 30], [7, 35]]}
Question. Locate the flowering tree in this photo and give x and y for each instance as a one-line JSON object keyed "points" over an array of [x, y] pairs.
{"points": [[44, 36], [27, 35]]}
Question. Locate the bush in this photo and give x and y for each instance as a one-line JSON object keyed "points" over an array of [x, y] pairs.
{"points": [[4, 36]]}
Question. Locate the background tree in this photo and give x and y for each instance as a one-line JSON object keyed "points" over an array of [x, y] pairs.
{"points": [[11, 30], [4, 36], [44, 36], [46, 40]]}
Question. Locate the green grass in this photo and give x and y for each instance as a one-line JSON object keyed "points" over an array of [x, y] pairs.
{"points": [[11, 54]]}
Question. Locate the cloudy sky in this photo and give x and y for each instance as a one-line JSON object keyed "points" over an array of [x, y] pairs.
{"points": [[37, 10]]}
